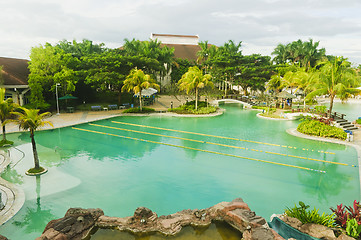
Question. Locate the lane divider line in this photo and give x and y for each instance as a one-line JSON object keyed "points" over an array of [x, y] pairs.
{"points": [[215, 136], [202, 150], [223, 145]]}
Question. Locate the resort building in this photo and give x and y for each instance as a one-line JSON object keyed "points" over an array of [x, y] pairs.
{"points": [[14, 78], [185, 47]]}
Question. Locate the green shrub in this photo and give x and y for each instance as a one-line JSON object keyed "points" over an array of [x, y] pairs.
{"points": [[317, 128], [358, 121], [353, 229], [320, 109], [42, 106], [189, 108], [137, 110], [310, 216]]}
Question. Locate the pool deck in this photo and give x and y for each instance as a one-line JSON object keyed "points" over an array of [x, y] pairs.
{"points": [[15, 197]]}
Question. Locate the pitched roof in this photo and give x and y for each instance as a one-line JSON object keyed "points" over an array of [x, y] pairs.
{"points": [[184, 51], [14, 71], [154, 35]]}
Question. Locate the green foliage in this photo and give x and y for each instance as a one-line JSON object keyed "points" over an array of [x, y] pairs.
{"points": [[317, 128], [6, 108], [254, 70], [138, 110], [36, 170], [304, 54], [189, 108], [310, 216], [136, 81], [320, 109], [267, 109], [194, 80], [335, 78], [6, 142], [353, 229], [179, 67], [41, 106], [358, 121]]}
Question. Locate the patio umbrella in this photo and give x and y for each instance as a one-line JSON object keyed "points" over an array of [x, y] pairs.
{"points": [[66, 97], [147, 92]]}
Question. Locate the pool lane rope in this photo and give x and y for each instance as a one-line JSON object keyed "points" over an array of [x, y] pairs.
{"points": [[201, 150], [223, 145], [215, 136]]}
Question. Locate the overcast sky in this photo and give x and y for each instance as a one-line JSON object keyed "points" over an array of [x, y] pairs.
{"points": [[259, 24]]}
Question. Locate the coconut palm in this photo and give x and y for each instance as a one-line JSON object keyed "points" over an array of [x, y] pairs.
{"points": [[6, 107], [275, 84], [30, 119], [336, 78], [136, 81], [194, 80]]}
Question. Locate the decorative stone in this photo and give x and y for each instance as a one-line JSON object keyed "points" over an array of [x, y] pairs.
{"points": [[318, 231], [344, 237], [293, 222], [77, 223]]}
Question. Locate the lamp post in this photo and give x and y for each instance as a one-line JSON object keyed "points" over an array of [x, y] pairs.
{"points": [[57, 100]]}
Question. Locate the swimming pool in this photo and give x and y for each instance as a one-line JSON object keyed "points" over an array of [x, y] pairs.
{"points": [[143, 166]]}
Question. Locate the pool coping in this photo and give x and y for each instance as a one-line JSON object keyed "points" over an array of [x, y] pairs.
{"points": [[15, 195], [294, 132]]}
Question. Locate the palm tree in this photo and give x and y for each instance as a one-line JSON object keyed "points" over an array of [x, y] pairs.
{"points": [[136, 81], [281, 53], [30, 119], [194, 80], [336, 78], [6, 107], [275, 84]]}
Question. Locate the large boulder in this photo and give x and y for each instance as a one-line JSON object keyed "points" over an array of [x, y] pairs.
{"points": [[76, 224]]}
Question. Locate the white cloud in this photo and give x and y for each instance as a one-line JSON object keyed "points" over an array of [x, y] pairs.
{"points": [[259, 24]]}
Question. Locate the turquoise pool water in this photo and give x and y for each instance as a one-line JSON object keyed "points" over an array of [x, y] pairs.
{"points": [[351, 109], [90, 169]]}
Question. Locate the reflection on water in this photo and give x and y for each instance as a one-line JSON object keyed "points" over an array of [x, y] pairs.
{"points": [[216, 231], [36, 216]]}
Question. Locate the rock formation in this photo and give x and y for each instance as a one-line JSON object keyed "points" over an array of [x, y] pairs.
{"points": [[77, 223]]}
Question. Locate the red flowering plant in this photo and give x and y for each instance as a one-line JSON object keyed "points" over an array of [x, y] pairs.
{"points": [[345, 213]]}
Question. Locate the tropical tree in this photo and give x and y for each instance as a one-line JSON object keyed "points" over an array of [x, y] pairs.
{"points": [[224, 62], [6, 108], [253, 72], [136, 81], [303, 54], [194, 80], [275, 84], [336, 78], [30, 119]]}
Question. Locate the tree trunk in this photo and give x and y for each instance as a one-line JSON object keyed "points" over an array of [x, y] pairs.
{"points": [[331, 103], [140, 102], [4, 137], [35, 152], [196, 98]]}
